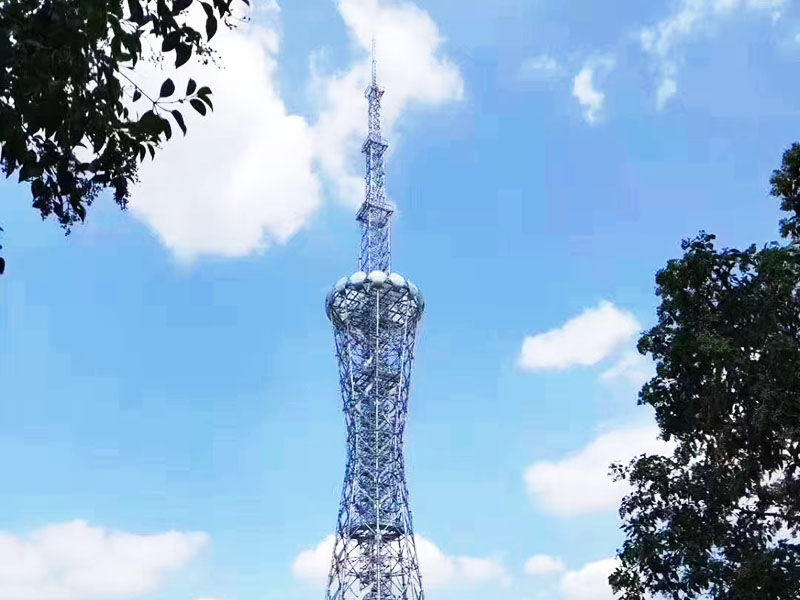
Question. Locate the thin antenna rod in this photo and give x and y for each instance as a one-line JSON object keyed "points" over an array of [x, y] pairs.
{"points": [[374, 68]]}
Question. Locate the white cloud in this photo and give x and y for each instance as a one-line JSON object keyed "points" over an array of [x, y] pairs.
{"points": [[247, 176], [667, 87], [543, 65], [585, 91], [580, 483], [590, 582], [583, 340], [631, 368], [314, 564], [587, 95], [437, 568], [410, 68], [543, 564], [662, 40], [242, 179], [74, 560]]}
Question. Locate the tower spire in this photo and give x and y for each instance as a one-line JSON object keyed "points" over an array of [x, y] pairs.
{"points": [[375, 213], [374, 67]]}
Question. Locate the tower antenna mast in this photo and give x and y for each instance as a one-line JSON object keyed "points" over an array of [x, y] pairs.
{"points": [[374, 64], [375, 213]]}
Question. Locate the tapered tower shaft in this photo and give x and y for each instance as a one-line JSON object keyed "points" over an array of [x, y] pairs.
{"points": [[374, 315], [375, 214]]}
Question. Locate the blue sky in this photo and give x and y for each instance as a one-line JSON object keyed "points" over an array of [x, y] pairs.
{"points": [[170, 368]]}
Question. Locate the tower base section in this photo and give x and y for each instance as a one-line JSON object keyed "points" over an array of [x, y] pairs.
{"points": [[373, 569]]}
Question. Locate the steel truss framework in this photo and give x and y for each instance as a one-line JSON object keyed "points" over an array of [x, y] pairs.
{"points": [[375, 214], [375, 316]]}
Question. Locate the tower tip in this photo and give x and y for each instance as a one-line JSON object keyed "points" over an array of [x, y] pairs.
{"points": [[374, 63]]}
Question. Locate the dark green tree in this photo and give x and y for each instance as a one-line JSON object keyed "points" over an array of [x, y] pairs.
{"points": [[720, 517], [67, 83]]}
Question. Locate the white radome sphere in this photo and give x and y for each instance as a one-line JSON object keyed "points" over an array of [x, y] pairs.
{"points": [[358, 277], [377, 277]]}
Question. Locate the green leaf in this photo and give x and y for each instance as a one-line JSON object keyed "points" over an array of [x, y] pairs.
{"points": [[222, 7], [180, 5], [137, 94], [198, 105], [170, 42], [182, 54], [211, 27], [137, 13], [149, 123], [37, 188], [161, 8], [166, 128], [179, 120], [191, 86], [203, 93], [30, 169], [167, 89]]}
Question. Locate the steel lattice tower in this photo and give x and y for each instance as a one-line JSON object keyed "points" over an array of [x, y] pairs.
{"points": [[374, 314]]}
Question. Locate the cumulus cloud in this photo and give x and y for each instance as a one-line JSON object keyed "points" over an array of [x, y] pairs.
{"points": [[248, 176], [242, 179], [437, 568], [314, 564], [74, 560], [583, 340], [663, 40], [584, 87], [590, 582], [543, 564], [580, 483], [631, 368]]}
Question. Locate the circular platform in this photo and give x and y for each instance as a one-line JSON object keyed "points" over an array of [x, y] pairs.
{"points": [[389, 291]]}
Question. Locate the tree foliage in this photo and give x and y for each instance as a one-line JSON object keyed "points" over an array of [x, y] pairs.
{"points": [[68, 91], [786, 186], [720, 518]]}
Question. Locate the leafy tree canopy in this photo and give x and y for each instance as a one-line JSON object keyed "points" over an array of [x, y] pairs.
{"points": [[786, 186], [720, 518], [67, 85]]}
